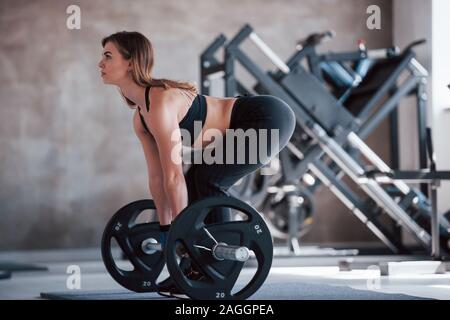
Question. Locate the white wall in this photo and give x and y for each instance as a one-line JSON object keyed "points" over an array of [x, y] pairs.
{"points": [[440, 78], [417, 19]]}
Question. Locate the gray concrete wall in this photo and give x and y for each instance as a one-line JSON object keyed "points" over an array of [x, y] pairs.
{"points": [[69, 158]]}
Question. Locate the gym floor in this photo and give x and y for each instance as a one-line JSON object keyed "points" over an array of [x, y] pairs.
{"points": [[299, 278]]}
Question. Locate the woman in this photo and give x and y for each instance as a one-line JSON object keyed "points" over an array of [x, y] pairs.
{"points": [[166, 108]]}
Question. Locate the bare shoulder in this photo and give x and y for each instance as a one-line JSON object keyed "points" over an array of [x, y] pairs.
{"points": [[160, 97]]}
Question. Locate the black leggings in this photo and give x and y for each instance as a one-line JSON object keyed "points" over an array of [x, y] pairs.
{"points": [[249, 112]]}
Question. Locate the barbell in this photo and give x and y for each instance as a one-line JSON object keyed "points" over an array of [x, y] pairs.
{"points": [[218, 251]]}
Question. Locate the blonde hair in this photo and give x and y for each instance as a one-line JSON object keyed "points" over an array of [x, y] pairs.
{"points": [[136, 47]]}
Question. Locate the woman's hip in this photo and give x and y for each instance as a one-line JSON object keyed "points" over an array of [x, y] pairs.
{"points": [[262, 112]]}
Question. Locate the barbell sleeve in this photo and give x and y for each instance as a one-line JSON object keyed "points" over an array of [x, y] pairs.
{"points": [[150, 246], [222, 251]]}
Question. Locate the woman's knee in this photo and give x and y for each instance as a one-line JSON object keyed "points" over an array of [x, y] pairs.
{"points": [[286, 116], [283, 120], [288, 128]]}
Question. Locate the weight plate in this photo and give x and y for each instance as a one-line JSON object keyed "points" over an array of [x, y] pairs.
{"points": [[218, 278], [276, 213], [129, 234], [252, 188]]}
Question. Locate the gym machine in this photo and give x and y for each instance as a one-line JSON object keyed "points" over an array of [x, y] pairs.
{"points": [[342, 71], [336, 135]]}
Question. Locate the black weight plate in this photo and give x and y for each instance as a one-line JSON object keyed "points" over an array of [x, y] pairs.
{"points": [[129, 235], [276, 213], [252, 188], [219, 277]]}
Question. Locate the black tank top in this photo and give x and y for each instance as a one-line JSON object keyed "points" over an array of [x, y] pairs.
{"points": [[196, 112]]}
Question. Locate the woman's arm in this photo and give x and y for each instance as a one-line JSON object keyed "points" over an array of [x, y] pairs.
{"points": [[154, 169], [165, 129]]}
